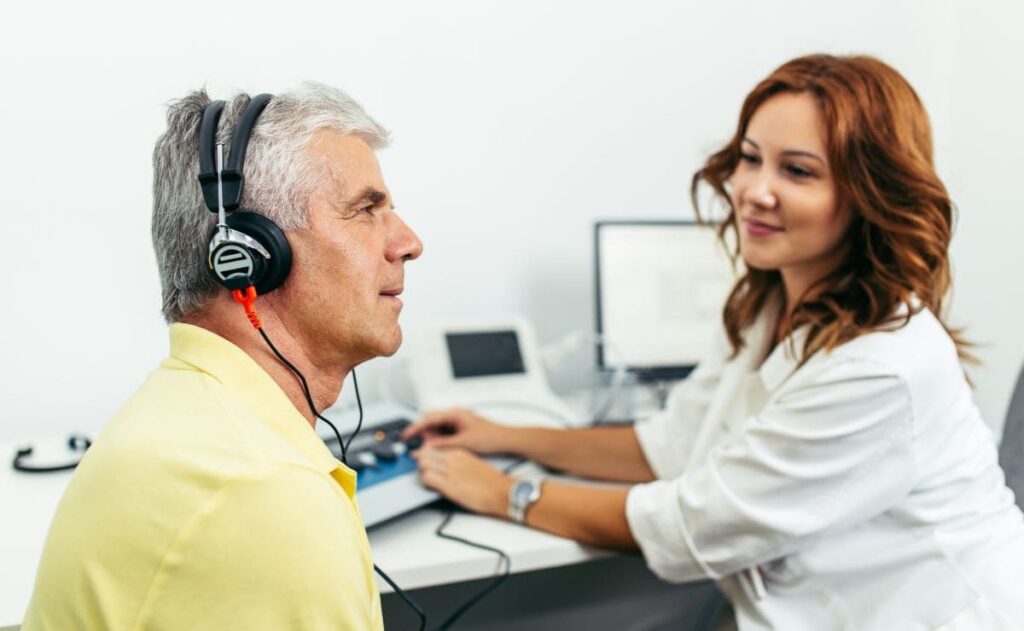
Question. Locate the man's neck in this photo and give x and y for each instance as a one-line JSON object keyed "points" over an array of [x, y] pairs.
{"points": [[226, 319]]}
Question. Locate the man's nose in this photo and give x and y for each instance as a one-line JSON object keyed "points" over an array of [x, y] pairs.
{"points": [[405, 244]]}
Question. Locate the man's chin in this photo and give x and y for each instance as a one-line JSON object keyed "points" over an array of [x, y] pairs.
{"points": [[391, 345]]}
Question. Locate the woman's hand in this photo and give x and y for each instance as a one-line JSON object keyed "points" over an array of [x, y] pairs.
{"points": [[459, 428], [465, 479]]}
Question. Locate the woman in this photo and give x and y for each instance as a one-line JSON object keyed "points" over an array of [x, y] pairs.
{"points": [[826, 464]]}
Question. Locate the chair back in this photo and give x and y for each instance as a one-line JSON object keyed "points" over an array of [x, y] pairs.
{"points": [[1011, 450]]}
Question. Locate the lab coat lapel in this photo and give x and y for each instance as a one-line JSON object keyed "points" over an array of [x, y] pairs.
{"points": [[783, 361]]}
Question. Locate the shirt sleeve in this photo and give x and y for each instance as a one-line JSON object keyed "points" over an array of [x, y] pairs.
{"points": [[285, 551], [666, 437], [826, 453]]}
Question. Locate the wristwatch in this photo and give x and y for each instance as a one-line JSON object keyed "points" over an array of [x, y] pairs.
{"points": [[524, 492]]}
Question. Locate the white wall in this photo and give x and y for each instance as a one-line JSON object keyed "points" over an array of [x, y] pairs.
{"points": [[516, 125]]}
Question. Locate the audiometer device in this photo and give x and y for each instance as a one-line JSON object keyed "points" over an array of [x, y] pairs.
{"points": [[492, 367]]}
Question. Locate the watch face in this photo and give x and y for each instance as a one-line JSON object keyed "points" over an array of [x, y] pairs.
{"points": [[523, 491]]}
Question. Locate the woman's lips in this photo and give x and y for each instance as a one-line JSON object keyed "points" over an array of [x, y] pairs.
{"points": [[758, 229]]}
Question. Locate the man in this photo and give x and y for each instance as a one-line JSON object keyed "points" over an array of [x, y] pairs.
{"points": [[209, 502]]}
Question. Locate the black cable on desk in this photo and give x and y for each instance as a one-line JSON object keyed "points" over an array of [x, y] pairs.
{"points": [[490, 587]]}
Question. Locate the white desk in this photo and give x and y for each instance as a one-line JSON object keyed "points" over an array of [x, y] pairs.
{"points": [[439, 561]]}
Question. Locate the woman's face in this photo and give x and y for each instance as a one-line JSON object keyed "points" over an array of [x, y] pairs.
{"points": [[788, 215]]}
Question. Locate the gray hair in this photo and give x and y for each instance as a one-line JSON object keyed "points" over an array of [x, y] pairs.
{"points": [[280, 175]]}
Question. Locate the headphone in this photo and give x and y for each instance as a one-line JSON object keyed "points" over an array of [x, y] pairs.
{"points": [[246, 249], [75, 443]]}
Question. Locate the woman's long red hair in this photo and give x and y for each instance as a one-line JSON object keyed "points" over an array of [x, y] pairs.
{"points": [[880, 150]]}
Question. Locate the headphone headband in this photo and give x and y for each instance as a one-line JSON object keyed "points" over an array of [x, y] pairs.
{"points": [[207, 149], [232, 177], [243, 131]]}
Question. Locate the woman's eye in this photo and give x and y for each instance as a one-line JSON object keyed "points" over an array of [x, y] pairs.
{"points": [[798, 171], [749, 158]]}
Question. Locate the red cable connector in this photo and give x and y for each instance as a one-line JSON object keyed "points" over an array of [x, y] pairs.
{"points": [[246, 301]]}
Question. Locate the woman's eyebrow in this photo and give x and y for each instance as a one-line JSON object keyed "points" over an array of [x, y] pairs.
{"points": [[804, 154], [791, 152]]}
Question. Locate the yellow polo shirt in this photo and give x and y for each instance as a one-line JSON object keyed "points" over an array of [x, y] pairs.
{"points": [[208, 502]]}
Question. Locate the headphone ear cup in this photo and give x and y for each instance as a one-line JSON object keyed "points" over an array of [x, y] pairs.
{"points": [[270, 236]]}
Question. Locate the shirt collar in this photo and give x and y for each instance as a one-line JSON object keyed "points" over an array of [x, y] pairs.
{"points": [[215, 356], [783, 360]]}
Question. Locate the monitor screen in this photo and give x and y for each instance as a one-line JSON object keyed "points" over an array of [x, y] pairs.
{"points": [[660, 291], [485, 354]]}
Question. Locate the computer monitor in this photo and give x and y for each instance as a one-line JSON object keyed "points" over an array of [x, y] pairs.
{"points": [[660, 288]]}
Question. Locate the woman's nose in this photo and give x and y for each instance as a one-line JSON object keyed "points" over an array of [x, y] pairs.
{"points": [[761, 192]]}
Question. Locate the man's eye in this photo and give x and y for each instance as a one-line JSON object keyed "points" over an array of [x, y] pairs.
{"points": [[368, 209]]}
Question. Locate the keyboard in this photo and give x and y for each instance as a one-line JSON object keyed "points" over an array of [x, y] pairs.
{"points": [[388, 483]]}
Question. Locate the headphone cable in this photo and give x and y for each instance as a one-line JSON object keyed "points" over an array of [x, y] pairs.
{"points": [[246, 301], [359, 423], [309, 398]]}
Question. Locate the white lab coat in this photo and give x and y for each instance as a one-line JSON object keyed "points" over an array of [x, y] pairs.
{"points": [[860, 491]]}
